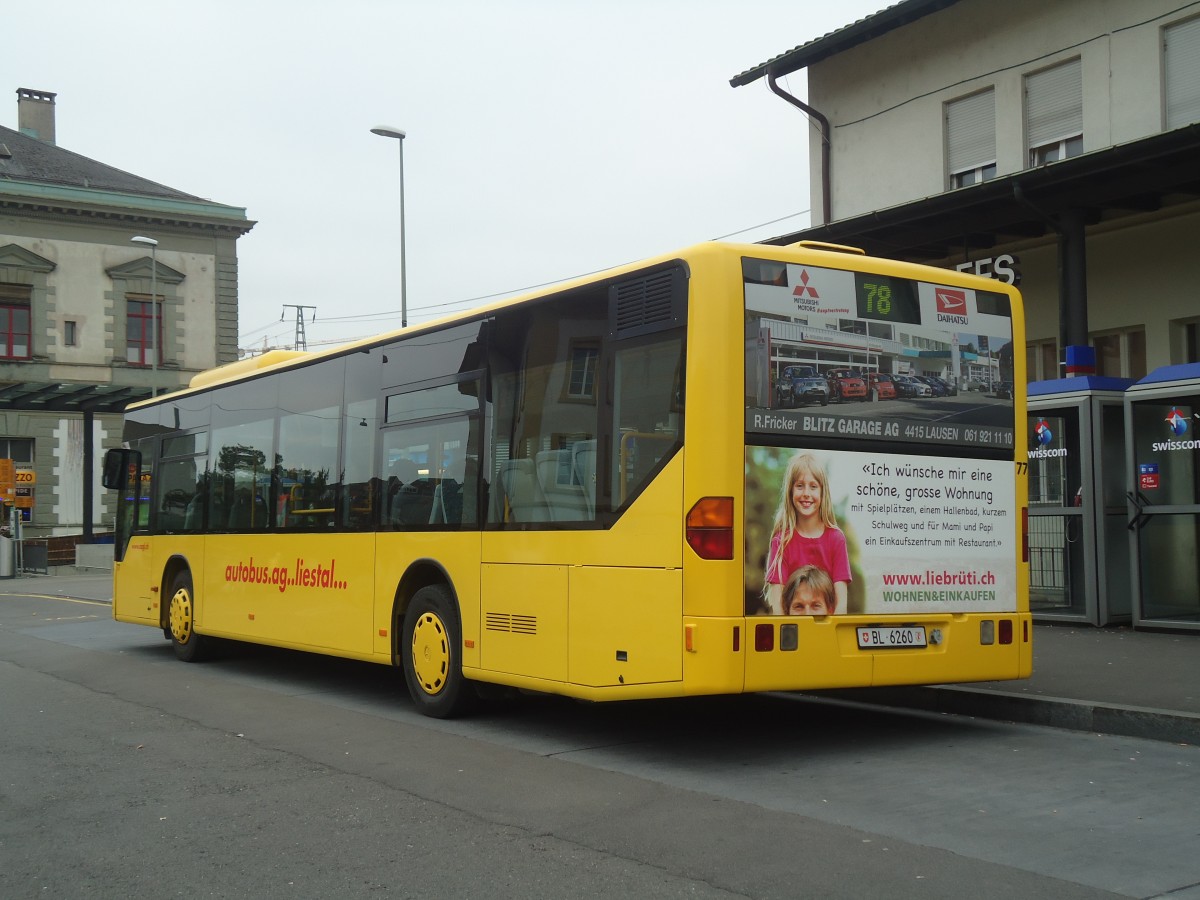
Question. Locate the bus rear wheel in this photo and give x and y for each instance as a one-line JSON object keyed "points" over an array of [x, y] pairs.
{"points": [[432, 654], [181, 620]]}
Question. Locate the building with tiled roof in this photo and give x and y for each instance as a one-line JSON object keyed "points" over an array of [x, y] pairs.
{"points": [[90, 320]]}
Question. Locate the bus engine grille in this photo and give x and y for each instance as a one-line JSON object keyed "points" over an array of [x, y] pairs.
{"points": [[514, 624]]}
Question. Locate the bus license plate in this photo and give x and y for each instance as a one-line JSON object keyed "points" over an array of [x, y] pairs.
{"points": [[890, 637]]}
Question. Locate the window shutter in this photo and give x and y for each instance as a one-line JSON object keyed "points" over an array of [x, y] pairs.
{"points": [[1054, 104], [1181, 63], [971, 131]]}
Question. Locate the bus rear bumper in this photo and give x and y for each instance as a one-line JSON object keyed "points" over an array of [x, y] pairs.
{"points": [[811, 653]]}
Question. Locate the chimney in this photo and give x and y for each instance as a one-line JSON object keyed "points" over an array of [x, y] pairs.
{"points": [[35, 114]]}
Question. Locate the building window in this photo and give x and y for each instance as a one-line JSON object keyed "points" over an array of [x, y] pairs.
{"points": [[1121, 354], [19, 450], [139, 340], [971, 139], [1185, 340], [1181, 73], [70, 338], [15, 327], [1054, 113]]}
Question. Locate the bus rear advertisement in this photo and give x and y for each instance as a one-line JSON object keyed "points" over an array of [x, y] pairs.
{"points": [[928, 534], [610, 489]]}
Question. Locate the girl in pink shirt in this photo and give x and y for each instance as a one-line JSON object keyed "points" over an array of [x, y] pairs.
{"points": [[805, 533]]}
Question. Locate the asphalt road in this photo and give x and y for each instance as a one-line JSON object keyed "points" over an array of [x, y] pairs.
{"points": [[124, 773]]}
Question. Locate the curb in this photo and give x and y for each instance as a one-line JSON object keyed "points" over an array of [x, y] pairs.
{"points": [[1055, 712]]}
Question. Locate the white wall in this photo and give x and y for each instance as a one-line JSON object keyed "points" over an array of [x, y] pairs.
{"points": [[885, 98]]}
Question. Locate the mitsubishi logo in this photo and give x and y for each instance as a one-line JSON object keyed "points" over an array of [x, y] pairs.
{"points": [[803, 289]]}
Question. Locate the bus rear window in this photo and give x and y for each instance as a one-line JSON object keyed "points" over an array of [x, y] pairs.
{"points": [[901, 361]]}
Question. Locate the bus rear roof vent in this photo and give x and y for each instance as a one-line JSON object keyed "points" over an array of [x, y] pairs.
{"points": [[650, 303], [832, 248]]}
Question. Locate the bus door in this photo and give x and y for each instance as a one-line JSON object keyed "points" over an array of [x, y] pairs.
{"points": [[130, 473]]}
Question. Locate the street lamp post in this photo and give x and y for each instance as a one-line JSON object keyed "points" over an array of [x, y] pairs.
{"points": [[389, 132], [153, 245]]}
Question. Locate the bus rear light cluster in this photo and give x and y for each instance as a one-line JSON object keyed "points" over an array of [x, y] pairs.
{"points": [[709, 528], [789, 636], [988, 632], [764, 637]]}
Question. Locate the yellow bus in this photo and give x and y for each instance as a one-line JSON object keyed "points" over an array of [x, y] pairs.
{"points": [[734, 468]]}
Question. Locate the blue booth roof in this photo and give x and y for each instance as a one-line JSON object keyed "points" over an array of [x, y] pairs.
{"points": [[1182, 372], [1081, 383]]}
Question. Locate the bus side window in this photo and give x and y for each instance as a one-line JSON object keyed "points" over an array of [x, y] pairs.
{"points": [[548, 377], [145, 493], [193, 515], [648, 397], [584, 464], [249, 510], [177, 489], [427, 467], [556, 477]]}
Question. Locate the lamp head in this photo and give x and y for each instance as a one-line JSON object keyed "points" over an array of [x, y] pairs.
{"points": [[142, 239], [388, 131]]}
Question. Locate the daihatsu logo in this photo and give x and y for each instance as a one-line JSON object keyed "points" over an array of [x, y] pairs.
{"points": [[951, 306]]}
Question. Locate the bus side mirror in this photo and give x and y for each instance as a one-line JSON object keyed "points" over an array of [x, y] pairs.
{"points": [[116, 464]]}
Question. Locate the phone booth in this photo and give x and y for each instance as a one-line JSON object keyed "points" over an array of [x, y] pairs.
{"points": [[1162, 423], [1078, 546]]}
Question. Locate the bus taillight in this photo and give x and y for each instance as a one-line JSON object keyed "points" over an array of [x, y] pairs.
{"points": [[709, 528]]}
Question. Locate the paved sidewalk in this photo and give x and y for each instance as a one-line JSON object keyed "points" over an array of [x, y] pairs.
{"points": [[1112, 680], [66, 582]]}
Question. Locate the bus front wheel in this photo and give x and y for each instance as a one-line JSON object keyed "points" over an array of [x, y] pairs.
{"points": [[432, 654], [181, 620]]}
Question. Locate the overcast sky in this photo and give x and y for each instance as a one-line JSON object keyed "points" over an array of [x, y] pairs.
{"points": [[546, 138]]}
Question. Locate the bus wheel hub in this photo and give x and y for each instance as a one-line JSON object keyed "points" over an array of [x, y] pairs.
{"points": [[181, 616], [430, 653]]}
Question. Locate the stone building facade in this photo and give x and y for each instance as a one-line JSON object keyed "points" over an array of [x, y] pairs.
{"points": [[91, 320]]}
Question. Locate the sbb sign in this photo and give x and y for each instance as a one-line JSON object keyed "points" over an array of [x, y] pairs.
{"points": [[1003, 268]]}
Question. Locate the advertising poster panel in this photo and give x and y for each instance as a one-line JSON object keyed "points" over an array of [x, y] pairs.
{"points": [[892, 372], [836, 353], [900, 534]]}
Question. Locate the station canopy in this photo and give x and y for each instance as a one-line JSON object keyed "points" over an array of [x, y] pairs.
{"points": [[56, 396]]}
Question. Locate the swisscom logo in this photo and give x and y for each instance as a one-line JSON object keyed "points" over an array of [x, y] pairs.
{"points": [[1044, 434], [1178, 422], [1044, 437], [951, 306]]}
